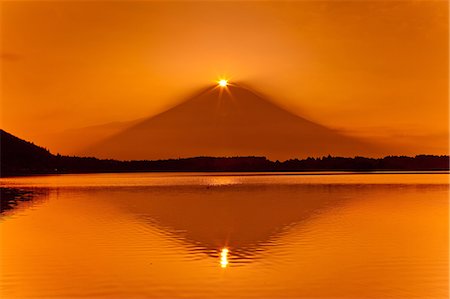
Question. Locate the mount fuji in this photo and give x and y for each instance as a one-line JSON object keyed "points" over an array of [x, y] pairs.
{"points": [[228, 121]]}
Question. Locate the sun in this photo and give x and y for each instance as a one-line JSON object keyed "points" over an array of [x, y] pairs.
{"points": [[223, 82]]}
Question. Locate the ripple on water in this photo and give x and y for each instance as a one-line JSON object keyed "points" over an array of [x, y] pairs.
{"points": [[293, 236]]}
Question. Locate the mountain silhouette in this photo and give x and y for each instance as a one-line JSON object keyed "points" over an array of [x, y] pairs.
{"points": [[230, 121]]}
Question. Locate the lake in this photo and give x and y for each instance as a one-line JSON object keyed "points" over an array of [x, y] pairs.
{"points": [[226, 235]]}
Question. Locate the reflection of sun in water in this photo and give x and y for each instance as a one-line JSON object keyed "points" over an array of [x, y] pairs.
{"points": [[224, 257], [223, 82]]}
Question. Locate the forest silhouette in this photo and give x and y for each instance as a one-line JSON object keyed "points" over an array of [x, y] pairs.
{"points": [[20, 157]]}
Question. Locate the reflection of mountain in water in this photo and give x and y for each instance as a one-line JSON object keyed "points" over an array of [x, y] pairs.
{"points": [[15, 198], [244, 218]]}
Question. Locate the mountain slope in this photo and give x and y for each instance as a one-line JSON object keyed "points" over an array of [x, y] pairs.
{"points": [[72, 141], [228, 121]]}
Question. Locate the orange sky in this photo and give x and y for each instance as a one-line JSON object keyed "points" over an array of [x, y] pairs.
{"points": [[369, 68]]}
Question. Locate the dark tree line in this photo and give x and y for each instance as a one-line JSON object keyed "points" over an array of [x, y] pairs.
{"points": [[19, 157]]}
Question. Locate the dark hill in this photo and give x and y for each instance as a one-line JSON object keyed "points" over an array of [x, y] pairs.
{"points": [[20, 156]]}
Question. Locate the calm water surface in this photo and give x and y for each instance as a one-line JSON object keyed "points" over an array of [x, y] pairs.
{"points": [[227, 236]]}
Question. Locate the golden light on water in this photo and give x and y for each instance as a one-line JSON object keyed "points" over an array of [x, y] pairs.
{"points": [[224, 257], [223, 82]]}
